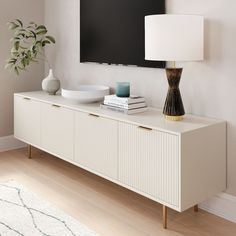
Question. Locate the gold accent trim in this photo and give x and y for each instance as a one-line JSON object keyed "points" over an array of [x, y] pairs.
{"points": [[144, 128], [56, 106], [29, 151], [94, 115], [174, 118], [174, 64], [195, 208], [164, 211]]}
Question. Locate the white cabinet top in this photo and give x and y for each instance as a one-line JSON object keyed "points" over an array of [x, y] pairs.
{"points": [[153, 118]]}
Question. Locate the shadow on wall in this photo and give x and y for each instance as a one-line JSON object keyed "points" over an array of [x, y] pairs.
{"points": [[213, 48], [201, 90]]}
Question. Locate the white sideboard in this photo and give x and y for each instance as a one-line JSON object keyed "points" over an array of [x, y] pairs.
{"points": [[178, 164]]}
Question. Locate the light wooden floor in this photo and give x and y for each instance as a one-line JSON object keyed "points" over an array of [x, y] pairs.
{"points": [[104, 207]]}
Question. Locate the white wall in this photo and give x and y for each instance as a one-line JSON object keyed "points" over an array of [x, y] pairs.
{"points": [[27, 10], [208, 88]]}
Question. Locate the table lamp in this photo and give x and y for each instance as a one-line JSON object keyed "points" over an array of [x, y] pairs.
{"points": [[174, 38]]}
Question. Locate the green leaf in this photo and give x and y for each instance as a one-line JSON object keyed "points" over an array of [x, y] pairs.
{"points": [[39, 42], [28, 53], [33, 48], [21, 68], [45, 42], [23, 63], [17, 45], [41, 27], [42, 32], [14, 39], [21, 47], [9, 65], [13, 26], [16, 70], [33, 60], [21, 30], [20, 22], [50, 38], [33, 34], [14, 53], [33, 24], [21, 35], [12, 61]]}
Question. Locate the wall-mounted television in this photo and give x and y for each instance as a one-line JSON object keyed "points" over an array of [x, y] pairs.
{"points": [[112, 31]]}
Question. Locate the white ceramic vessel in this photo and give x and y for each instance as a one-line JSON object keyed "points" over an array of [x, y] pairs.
{"points": [[86, 93], [51, 84]]}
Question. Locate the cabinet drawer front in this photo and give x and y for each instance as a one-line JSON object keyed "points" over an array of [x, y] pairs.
{"points": [[149, 162], [57, 131], [27, 120], [96, 144]]}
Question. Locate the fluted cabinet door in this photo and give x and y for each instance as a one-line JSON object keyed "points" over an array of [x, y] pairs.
{"points": [[27, 120], [149, 162], [96, 144], [57, 131]]}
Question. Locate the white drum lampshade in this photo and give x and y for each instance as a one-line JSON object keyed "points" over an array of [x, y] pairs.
{"points": [[174, 37]]}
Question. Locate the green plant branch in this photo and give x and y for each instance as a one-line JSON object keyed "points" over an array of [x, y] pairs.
{"points": [[27, 44]]}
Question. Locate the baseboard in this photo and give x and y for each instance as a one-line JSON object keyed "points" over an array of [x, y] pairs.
{"points": [[222, 205], [9, 143]]}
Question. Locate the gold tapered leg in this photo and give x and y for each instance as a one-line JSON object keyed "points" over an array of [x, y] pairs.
{"points": [[195, 208], [29, 151], [164, 217]]}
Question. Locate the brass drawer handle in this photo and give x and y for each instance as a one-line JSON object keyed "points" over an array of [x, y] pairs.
{"points": [[56, 106], [93, 115], [145, 128], [25, 98]]}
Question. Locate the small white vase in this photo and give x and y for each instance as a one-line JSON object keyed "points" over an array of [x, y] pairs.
{"points": [[51, 84]]}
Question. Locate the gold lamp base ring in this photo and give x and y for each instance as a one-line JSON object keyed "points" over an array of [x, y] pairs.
{"points": [[174, 118]]}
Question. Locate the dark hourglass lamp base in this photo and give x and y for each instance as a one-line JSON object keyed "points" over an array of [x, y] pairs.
{"points": [[174, 109]]}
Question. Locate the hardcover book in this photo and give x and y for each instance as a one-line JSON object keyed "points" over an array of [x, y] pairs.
{"points": [[125, 111], [130, 100]]}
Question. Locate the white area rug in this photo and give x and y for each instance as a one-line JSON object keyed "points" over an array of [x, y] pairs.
{"points": [[22, 213]]}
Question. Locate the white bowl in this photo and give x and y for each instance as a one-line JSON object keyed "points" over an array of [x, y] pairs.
{"points": [[86, 93]]}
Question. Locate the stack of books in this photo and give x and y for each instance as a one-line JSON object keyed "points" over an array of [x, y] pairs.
{"points": [[130, 105]]}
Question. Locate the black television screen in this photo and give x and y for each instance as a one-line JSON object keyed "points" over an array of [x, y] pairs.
{"points": [[112, 31]]}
